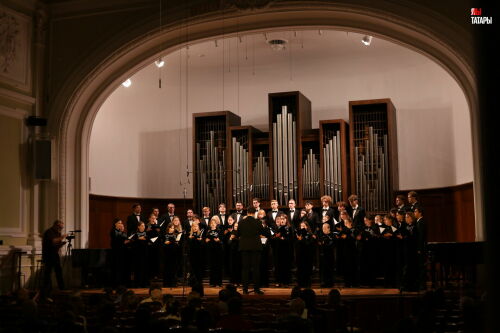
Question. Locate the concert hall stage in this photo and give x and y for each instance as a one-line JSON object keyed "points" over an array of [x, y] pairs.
{"points": [[275, 292]]}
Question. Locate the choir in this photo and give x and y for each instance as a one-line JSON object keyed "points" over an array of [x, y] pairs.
{"points": [[340, 241]]}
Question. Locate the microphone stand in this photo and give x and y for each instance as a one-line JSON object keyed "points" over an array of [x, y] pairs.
{"points": [[185, 261]]}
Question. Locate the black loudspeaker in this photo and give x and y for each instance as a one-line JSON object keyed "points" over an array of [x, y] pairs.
{"points": [[43, 159], [36, 121]]}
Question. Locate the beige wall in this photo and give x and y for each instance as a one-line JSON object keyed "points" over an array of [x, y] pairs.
{"points": [[141, 137]]}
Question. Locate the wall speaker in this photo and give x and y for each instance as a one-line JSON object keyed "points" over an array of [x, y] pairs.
{"points": [[43, 159]]}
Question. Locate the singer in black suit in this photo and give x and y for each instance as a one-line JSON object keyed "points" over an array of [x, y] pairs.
{"points": [[134, 219], [273, 213], [358, 212], [222, 215], [293, 214], [239, 212], [413, 201], [250, 246], [327, 209]]}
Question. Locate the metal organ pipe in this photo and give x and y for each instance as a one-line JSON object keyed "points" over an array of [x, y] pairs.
{"points": [[284, 134]]}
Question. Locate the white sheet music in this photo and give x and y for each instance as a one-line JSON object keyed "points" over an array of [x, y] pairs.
{"points": [[178, 238], [131, 236], [263, 241], [153, 239]]}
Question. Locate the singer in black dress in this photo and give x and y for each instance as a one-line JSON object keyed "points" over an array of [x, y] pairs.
{"points": [[196, 247], [153, 232], [234, 255], [326, 243], [304, 247], [267, 233], [283, 251], [213, 241], [348, 239], [140, 255], [171, 252]]}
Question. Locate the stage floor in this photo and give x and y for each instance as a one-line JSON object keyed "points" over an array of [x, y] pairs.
{"points": [[274, 292]]}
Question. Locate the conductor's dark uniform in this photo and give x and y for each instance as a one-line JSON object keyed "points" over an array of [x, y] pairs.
{"points": [[250, 246]]}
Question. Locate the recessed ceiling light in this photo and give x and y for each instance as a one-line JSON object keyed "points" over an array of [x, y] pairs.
{"points": [[160, 63], [277, 44], [127, 83], [367, 40]]}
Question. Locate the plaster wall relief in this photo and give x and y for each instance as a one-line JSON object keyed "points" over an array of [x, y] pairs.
{"points": [[15, 42]]}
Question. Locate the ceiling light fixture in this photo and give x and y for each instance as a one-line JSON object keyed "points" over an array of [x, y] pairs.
{"points": [[127, 83], [277, 44], [367, 40], [160, 63]]}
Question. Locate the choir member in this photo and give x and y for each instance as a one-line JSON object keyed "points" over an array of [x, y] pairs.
{"points": [[421, 245], [400, 219], [171, 255], [166, 218], [222, 215], [413, 201], [368, 250], [156, 212], [410, 250], [283, 251], [326, 243], [140, 254], [312, 218], [227, 231], [234, 255], [327, 209], [153, 232], [391, 253], [179, 234], [293, 214], [213, 241], [266, 233], [347, 243], [188, 222], [273, 213], [393, 212], [256, 206], [400, 203], [342, 206], [358, 212], [119, 241], [239, 212], [205, 217], [195, 246], [304, 246], [134, 219]]}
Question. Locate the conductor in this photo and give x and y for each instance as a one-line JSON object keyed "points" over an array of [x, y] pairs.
{"points": [[250, 246]]}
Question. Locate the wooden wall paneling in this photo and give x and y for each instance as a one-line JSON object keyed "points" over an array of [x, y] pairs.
{"points": [[103, 209], [449, 213]]}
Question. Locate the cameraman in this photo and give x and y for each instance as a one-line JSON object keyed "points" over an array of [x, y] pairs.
{"points": [[52, 241]]}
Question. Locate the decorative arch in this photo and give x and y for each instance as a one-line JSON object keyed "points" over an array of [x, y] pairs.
{"points": [[417, 30]]}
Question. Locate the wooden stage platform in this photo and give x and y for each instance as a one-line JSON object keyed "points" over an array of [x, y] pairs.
{"points": [[277, 292]]}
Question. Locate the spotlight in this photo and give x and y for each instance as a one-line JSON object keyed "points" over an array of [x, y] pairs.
{"points": [[160, 63], [127, 83], [367, 40]]}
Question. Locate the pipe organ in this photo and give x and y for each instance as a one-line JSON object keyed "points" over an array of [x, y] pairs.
{"points": [[374, 157], [292, 160], [285, 182]]}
